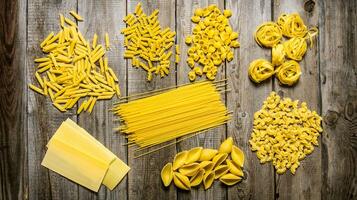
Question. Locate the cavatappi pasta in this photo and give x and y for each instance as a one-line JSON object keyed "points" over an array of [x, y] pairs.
{"points": [[211, 42], [270, 34], [156, 119], [147, 44], [225, 164], [73, 69], [284, 132]]}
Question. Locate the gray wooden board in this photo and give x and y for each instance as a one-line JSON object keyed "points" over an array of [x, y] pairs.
{"points": [[306, 183], [328, 85], [245, 97]]}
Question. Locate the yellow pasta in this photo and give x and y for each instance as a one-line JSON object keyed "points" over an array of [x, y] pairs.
{"points": [[284, 132], [70, 71], [260, 70], [211, 41], [270, 34], [215, 166], [107, 43], [76, 15], [288, 73], [147, 45], [160, 118]]}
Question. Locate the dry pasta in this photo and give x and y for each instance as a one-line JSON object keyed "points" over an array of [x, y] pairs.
{"points": [[73, 69], [284, 53], [191, 172], [147, 44], [211, 42], [260, 70], [175, 113], [284, 133]]}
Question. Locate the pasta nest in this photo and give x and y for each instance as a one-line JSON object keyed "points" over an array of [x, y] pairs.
{"points": [[268, 34]]}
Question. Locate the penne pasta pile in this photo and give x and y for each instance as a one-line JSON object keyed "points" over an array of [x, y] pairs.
{"points": [[146, 44], [198, 165], [163, 117], [74, 68]]}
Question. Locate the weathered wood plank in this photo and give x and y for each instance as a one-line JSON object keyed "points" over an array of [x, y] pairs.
{"points": [[245, 97], [213, 137], [43, 118], [144, 178], [101, 17], [306, 183], [13, 102], [338, 61]]}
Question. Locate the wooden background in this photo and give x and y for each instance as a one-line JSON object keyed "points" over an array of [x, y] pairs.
{"points": [[328, 84]]}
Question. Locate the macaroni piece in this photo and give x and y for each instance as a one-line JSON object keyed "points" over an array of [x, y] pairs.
{"points": [[284, 133], [211, 41]]}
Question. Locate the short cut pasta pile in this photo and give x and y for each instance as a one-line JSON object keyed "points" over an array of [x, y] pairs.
{"points": [[211, 42], [284, 132], [198, 165], [73, 68], [147, 45], [285, 55], [156, 119]]}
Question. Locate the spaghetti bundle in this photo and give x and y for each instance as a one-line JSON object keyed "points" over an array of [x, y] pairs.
{"points": [[156, 119]]}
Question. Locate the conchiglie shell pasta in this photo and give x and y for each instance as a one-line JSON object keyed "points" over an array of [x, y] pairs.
{"points": [[207, 154], [208, 179], [220, 171], [237, 156], [167, 174], [179, 160], [219, 159], [181, 181], [189, 169], [234, 169], [197, 178], [193, 155], [207, 165], [226, 146], [230, 179]]}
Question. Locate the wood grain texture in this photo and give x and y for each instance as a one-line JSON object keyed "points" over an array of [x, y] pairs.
{"points": [[328, 85], [213, 137], [339, 99], [43, 118], [245, 97], [144, 177], [306, 183], [101, 17], [13, 98]]}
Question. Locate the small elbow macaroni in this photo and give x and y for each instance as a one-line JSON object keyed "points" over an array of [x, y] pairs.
{"points": [[211, 42], [284, 133], [284, 53], [147, 45]]}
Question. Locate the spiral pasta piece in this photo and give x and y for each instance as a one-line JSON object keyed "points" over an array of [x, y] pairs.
{"points": [[289, 72], [292, 25], [268, 34], [260, 70], [295, 48], [278, 55]]}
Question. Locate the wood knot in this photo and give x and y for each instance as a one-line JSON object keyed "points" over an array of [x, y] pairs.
{"points": [[309, 5], [331, 117], [281, 93], [349, 110]]}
